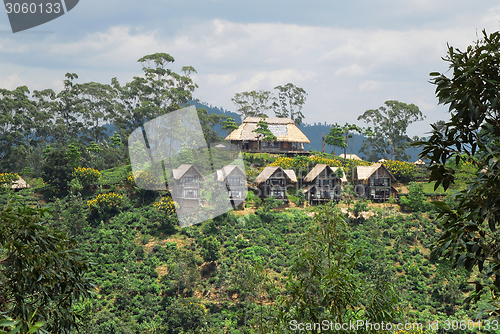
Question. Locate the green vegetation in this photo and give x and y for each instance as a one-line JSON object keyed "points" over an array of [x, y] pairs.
{"points": [[247, 271]]}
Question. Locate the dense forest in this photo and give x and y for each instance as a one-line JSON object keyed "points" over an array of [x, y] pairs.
{"points": [[84, 250]]}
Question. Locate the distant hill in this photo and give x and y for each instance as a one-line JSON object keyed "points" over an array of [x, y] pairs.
{"points": [[312, 131]]}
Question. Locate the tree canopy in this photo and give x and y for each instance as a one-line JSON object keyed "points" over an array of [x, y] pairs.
{"points": [[389, 124]]}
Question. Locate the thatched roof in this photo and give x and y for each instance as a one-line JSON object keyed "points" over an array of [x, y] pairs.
{"points": [[183, 169], [284, 129], [364, 172], [271, 170], [20, 184], [349, 156], [223, 173], [313, 174], [291, 175]]}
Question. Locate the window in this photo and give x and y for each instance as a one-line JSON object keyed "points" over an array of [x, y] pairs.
{"points": [[234, 181], [235, 194], [190, 179], [191, 193]]}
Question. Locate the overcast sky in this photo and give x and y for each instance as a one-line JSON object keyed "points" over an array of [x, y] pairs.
{"points": [[349, 56]]}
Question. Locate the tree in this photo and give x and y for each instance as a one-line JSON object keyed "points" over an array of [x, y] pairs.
{"points": [[335, 137], [389, 129], [323, 283], [264, 134], [290, 101], [210, 249], [42, 274], [229, 125], [98, 102], [161, 90], [471, 236], [253, 104]]}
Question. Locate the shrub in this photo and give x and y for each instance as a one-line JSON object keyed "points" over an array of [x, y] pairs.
{"points": [[416, 200], [145, 179], [106, 202], [87, 176], [166, 205]]}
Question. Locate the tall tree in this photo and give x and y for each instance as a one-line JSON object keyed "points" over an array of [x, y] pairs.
{"points": [[323, 282], [290, 101], [389, 125], [471, 235], [335, 137], [159, 91], [98, 103], [253, 104]]}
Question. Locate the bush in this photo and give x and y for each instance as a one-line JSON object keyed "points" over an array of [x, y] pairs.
{"points": [[416, 199], [87, 176]]}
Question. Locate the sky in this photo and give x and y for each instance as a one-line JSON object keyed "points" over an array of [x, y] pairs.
{"points": [[349, 56]]}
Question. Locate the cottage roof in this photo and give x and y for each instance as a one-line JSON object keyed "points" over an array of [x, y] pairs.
{"points": [[270, 170], [364, 172], [183, 169], [350, 156], [223, 173], [313, 174], [20, 184], [284, 129]]}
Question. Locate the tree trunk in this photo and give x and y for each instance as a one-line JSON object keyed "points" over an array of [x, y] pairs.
{"points": [[323, 144]]}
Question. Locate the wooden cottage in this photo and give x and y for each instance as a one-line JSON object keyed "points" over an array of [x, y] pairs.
{"points": [[235, 181], [323, 184], [289, 139], [273, 182], [374, 182], [186, 187]]}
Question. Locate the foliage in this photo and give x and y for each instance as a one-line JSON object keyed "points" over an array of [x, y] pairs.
{"points": [[323, 283], [87, 175], [253, 104], [335, 137], [471, 135], [389, 139], [106, 202], [290, 102], [42, 274], [416, 199], [144, 179], [402, 171], [166, 205], [7, 178], [210, 249]]}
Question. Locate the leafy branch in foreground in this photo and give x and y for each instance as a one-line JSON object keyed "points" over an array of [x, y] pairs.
{"points": [[471, 237], [42, 274]]}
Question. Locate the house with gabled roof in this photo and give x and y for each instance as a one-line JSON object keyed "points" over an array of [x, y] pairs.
{"points": [[274, 180], [323, 183], [289, 138], [234, 180], [186, 187], [374, 182]]}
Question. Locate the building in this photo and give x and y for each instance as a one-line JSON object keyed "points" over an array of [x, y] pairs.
{"points": [[186, 188], [235, 181], [374, 182], [289, 139], [323, 184], [273, 182]]}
